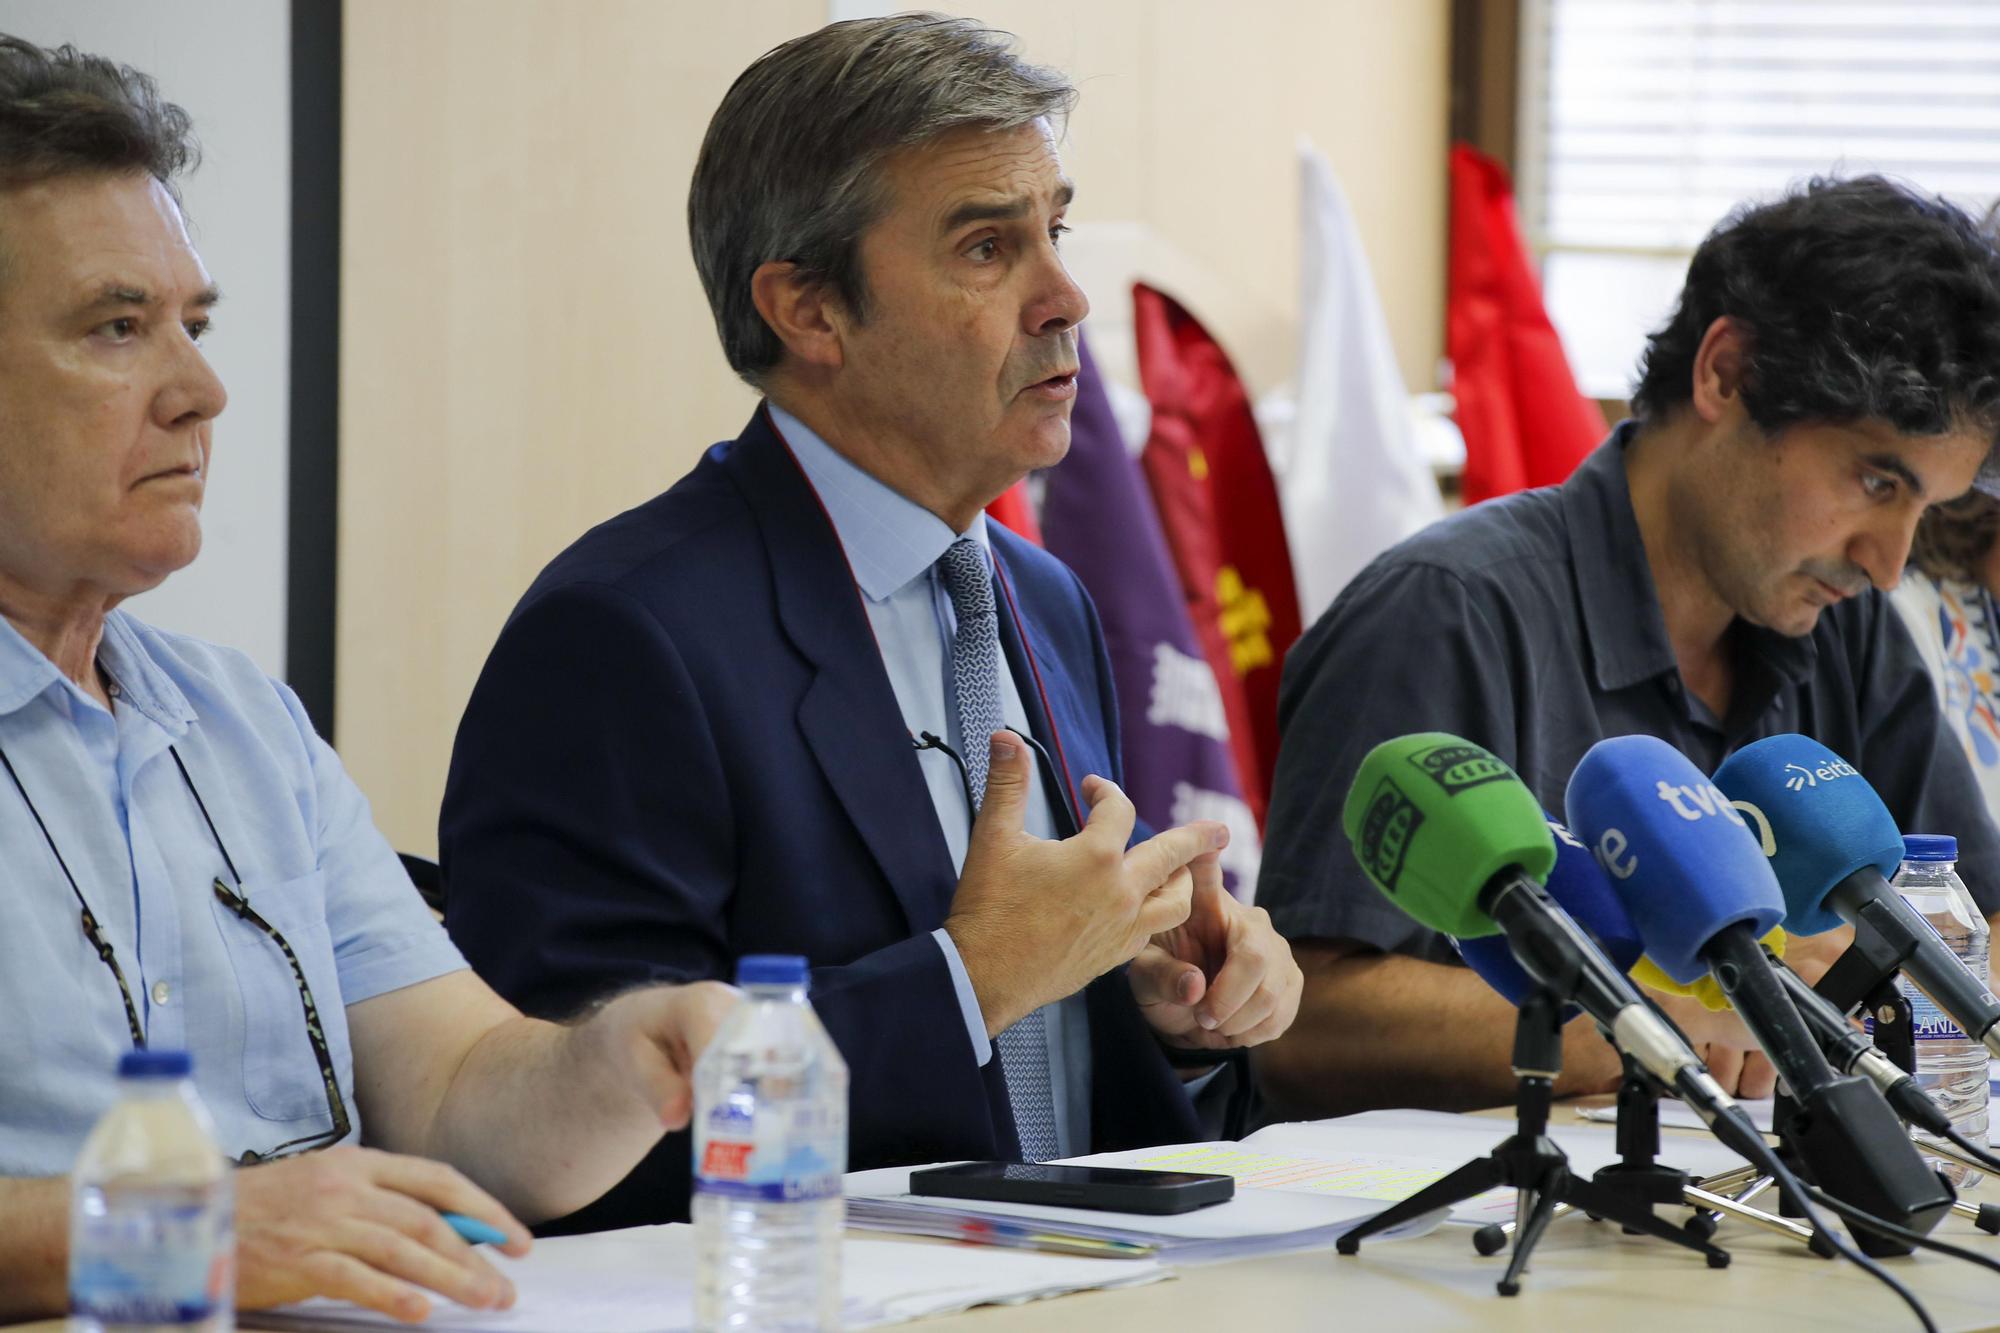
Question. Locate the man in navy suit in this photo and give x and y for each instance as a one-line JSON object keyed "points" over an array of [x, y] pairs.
{"points": [[808, 701]]}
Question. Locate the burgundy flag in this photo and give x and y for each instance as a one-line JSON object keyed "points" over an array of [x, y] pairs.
{"points": [[1219, 509], [1098, 518]]}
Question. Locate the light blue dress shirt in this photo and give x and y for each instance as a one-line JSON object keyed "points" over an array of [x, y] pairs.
{"points": [[300, 833], [893, 545]]}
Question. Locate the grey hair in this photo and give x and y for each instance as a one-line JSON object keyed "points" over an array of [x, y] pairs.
{"points": [[788, 168], [67, 113]]}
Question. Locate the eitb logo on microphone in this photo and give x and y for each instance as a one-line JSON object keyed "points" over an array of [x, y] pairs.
{"points": [[1459, 766], [1392, 820]]}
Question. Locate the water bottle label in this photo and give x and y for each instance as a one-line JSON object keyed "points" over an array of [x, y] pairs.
{"points": [[1927, 1021], [160, 1265], [771, 1154]]}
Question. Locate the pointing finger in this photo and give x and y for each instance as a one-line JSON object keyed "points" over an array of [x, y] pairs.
{"points": [[1165, 853], [1166, 906], [1112, 814]]}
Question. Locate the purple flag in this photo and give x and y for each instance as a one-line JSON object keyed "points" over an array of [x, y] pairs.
{"points": [[1098, 518]]}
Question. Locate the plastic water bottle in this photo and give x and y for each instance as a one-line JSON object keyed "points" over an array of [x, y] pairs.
{"points": [[1951, 1066], [770, 1147], [152, 1229]]}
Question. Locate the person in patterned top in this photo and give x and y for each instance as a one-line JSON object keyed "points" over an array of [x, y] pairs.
{"points": [[1946, 598]]}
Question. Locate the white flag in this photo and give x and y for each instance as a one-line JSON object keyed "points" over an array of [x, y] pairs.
{"points": [[1352, 478]]}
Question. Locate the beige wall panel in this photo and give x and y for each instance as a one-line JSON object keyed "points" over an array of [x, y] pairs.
{"points": [[525, 348], [1189, 121]]}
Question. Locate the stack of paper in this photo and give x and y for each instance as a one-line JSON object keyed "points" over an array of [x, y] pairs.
{"points": [[1298, 1186], [1256, 1221], [642, 1281]]}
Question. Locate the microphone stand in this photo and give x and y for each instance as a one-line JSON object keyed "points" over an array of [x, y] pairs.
{"points": [[1536, 1167], [1864, 975], [1638, 1175]]}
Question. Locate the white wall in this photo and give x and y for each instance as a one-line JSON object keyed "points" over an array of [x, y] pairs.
{"points": [[228, 62]]}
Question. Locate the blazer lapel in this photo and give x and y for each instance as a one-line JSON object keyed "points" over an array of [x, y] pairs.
{"points": [[1055, 716], [848, 715]]}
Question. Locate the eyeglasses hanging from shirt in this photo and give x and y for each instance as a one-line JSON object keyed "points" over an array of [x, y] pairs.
{"points": [[1067, 826], [237, 900]]}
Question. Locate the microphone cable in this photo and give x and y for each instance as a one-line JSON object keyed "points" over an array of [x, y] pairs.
{"points": [[1883, 1227], [1975, 1151], [1803, 1196], [1989, 1213], [1732, 1125]]}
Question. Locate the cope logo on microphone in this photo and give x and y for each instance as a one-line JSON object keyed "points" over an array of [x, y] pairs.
{"points": [[1457, 767], [1392, 820]]}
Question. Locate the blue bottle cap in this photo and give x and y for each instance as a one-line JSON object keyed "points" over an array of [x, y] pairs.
{"points": [[1930, 847], [771, 969], [155, 1064]]}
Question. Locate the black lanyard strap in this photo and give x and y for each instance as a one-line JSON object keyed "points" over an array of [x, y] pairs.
{"points": [[237, 900], [90, 930]]}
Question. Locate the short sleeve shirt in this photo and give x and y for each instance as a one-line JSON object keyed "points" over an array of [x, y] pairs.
{"points": [[1530, 625], [134, 837]]}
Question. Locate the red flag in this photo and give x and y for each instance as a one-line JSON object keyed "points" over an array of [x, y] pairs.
{"points": [[1206, 465], [1524, 421], [1017, 510]]}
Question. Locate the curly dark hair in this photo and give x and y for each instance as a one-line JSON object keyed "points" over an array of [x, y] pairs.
{"points": [[1953, 539], [1863, 300], [64, 112]]}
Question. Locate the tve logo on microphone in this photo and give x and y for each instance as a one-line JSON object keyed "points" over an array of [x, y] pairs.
{"points": [[1698, 801], [1691, 801]]}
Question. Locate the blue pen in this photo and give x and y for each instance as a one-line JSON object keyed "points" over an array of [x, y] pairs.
{"points": [[476, 1231]]}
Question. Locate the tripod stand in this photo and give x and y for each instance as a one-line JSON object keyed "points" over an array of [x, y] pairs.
{"points": [[1639, 1176], [1532, 1163]]}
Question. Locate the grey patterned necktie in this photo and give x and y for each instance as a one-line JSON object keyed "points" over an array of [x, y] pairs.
{"points": [[975, 674]]}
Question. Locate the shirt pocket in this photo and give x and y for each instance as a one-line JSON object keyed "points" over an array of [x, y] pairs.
{"points": [[281, 1075]]}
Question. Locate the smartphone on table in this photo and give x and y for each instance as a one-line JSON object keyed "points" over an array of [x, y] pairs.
{"points": [[1111, 1189]]}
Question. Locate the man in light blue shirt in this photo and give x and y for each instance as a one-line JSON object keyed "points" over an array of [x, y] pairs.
{"points": [[185, 863]]}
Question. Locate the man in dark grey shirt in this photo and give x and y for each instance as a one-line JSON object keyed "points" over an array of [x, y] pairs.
{"points": [[1704, 577]]}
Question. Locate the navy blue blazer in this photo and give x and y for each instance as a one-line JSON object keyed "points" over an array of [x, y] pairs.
{"points": [[685, 748]]}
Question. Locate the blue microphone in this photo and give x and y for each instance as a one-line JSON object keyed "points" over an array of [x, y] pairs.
{"points": [[1696, 884], [1579, 887], [1695, 880], [1833, 845], [1680, 857]]}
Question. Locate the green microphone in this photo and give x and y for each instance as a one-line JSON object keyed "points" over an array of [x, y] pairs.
{"points": [[1433, 818], [1455, 839]]}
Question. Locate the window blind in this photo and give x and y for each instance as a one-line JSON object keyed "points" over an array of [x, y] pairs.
{"points": [[1643, 122]]}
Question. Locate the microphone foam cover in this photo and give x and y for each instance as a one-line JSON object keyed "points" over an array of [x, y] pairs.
{"points": [[1704, 988], [1816, 818], [1433, 817], [1579, 886], [1679, 855]]}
